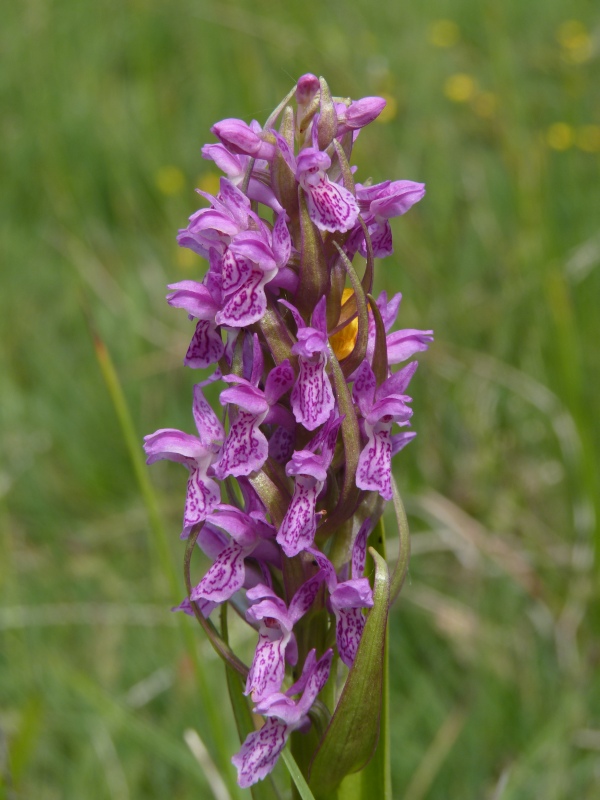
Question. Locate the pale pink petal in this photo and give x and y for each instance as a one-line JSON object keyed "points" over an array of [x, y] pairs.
{"points": [[297, 531], [312, 397], [260, 752], [375, 461], [210, 428], [245, 449]]}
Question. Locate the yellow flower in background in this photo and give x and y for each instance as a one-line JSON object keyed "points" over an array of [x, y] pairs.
{"points": [[460, 88], [390, 110], [575, 42], [170, 180], [587, 138], [209, 182], [560, 136], [443, 33]]}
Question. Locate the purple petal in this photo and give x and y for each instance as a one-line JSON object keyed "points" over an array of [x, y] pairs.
{"points": [[359, 549], [316, 682], [381, 239], [268, 667], [282, 241], [205, 607], [363, 391], [319, 317], [206, 347], [389, 309], [174, 445], [354, 593], [330, 206], [375, 461], [260, 752], [240, 138], [397, 198], [305, 596], [391, 406], [281, 445], [236, 271], [310, 342], [232, 165], [305, 462], [349, 626], [312, 398], [258, 361], [359, 113], [250, 245], [239, 525], [235, 201], [202, 496], [398, 383], [247, 304], [297, 531], [279, 381], [404, 344], [245, 449], [224, 578], [400, 440], [247, 397], [194, 297], [208, 424]]}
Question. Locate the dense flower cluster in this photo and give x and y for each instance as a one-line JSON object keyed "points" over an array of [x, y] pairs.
{"points": [[286, 485]]}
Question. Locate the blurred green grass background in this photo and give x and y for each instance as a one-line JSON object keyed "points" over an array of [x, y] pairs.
{"points": [[494, 642]]}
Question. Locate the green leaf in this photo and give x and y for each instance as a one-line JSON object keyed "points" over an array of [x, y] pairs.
{"points": [[351, 737], [298, 778]]}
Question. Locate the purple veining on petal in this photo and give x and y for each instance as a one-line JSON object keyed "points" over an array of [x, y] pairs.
{"points": [[202, 496], [297, 531], [359, 549], [330, 206], [224, 578], [268, 667], [279, 381], [248, 303], [206, 347], [260, 752], [245, 449], [281, 445], [312, 396], [375, 460], [305, 596], [210, 429], [348, 631]]}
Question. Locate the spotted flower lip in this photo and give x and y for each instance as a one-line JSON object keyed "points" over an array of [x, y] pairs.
{"points": [[330, 206]]}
